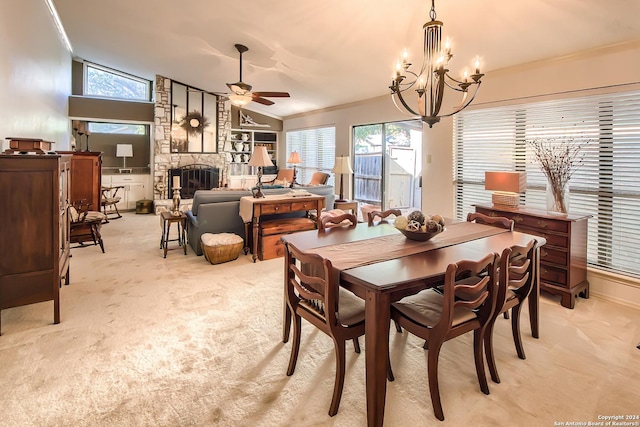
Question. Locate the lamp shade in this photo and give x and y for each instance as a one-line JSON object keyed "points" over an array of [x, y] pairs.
{"points": [[124, 150], [294, 157], [342, 165], [239, 100], [511, 182], [260, 157]]}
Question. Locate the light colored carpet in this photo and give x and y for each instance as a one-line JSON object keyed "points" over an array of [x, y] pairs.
{"points": [[148, 341]]}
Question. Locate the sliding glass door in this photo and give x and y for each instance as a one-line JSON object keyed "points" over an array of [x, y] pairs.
{"points": [[387, 164]]}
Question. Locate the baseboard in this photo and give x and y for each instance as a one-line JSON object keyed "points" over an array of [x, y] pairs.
{"points": [[617, 288]]}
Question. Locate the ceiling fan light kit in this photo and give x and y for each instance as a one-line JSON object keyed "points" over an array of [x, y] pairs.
{"points": [[241, 93], [431, 81]]}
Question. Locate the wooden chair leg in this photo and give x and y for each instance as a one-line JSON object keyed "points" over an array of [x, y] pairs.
{"points": [[356, 345], [515, 330], [488, 350], [340, 370], [295, 345], [398, 328], [478, 356], [434, 388]]}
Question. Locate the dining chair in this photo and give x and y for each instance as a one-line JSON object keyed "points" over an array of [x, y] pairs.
{"points": [[439, 317], [84, 224], [319, 299], [382, 215], [341, 220], [495, 221], [516, 276]]}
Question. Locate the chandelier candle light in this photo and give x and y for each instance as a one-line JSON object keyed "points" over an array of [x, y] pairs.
{"points": [[341, 167], [294, 158], [430, 82], [260, 158]]}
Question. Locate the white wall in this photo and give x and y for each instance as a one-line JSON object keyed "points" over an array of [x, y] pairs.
{"points": [[35, 74]]}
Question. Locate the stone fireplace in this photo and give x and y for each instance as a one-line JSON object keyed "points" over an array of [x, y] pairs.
{"points": [[165, 160]]}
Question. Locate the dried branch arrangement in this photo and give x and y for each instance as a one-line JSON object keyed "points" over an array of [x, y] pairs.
{"points": [[558, 158]]}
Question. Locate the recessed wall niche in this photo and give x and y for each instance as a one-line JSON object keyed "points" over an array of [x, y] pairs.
{"points": [[194, 120]]}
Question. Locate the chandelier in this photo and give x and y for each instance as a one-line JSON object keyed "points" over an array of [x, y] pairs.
{"points": [[433, 78]]}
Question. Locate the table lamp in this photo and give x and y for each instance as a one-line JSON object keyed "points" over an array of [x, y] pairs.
{"points": [[341, 167], [124, 151], [260, 158], [505, 186], [294, 158]]}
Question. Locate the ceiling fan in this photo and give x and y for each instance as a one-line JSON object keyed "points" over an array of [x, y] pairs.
{"points": [[241, 92]]}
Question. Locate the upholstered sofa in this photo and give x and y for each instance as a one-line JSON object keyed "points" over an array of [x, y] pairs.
{"points": [[218, 211]]}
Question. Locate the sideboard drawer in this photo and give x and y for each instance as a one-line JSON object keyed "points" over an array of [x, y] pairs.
{"points": [[540, 223], [554, 275], [553, 256], [303, 205], [559, 240], [276, 208]]}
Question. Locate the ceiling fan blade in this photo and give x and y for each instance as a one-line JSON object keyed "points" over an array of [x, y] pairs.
{"points": [[272, 94], [259, 100]]}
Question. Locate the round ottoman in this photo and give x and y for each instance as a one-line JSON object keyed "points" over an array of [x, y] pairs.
{"points": [[221, 247]]}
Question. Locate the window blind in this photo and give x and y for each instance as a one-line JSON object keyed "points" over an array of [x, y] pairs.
{"points": [[317, 150], [606, 185]]}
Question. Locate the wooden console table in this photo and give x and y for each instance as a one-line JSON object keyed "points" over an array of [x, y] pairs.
{"points": [[252, 209], [563, 260]]}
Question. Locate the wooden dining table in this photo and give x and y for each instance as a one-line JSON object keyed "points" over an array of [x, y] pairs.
{"points": [[380, 265]]}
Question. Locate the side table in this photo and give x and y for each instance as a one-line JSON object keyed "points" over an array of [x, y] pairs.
{"points": [[167, 219], [348, 204]]}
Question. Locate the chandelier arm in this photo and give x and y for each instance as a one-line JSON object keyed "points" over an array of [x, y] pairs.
{"points": [[461, 106], [436, 99], [404, 104]]}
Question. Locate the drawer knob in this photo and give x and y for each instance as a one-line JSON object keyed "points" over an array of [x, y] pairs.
{"points": [[518, 218], [543, 224], [544, 253], [276, 207], [544, 271]]}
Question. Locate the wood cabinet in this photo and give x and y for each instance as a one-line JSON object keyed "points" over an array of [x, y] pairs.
{"points": [[563, 260], [34, 238], [86, 177]]}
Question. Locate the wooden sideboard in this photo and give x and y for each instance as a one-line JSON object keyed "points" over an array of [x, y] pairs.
{"points": [[34, 238], [563, 260], [253, 209]]}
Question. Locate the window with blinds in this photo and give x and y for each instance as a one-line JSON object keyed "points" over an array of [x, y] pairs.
{"points": [[606, 185], [317, 150]]}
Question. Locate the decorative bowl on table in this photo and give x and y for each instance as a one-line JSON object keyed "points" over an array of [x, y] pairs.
{"points": [[420, 227], [421, 236]]}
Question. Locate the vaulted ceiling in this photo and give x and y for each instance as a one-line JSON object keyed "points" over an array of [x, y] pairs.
{"points": [[329, 52]]}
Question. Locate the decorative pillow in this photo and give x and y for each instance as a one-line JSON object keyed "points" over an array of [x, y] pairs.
{"points": [[268, 186]]}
